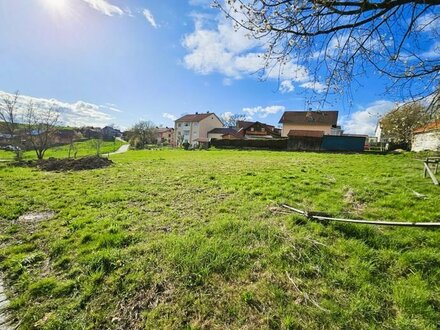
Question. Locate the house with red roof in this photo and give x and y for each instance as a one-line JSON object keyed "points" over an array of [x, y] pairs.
{"points": [[307, 123], [426, 137]]}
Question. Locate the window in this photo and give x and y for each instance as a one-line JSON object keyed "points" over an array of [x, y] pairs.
{"points": [[196, 124], [252, 129], [180, 125]]}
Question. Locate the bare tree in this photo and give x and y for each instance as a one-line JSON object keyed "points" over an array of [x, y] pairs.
{"points": [[9, 121], [340, 40], [143, 133], [41, 126], [230, 120]]}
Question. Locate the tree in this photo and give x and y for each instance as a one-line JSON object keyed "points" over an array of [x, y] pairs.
{"points": [[230, 120], [40, 127], [97, 144], [339, 40], [399, 124], [9, 121], [142, 134]]}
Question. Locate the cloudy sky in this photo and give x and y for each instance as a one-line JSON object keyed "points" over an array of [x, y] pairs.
{"points": [[118, 61]]}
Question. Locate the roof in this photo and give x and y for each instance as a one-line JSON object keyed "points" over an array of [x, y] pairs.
{"points": [[307, 133], [223, 130], [201, 139], [309, 117], [430, 127], [195, 117], [247, 124], [164, 129], [234, 134]]}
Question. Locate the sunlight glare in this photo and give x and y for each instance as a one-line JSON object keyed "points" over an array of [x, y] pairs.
{"points": [[57, 6]]}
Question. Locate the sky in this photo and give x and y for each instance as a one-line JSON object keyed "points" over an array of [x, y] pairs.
{"points": [[120, 61]]}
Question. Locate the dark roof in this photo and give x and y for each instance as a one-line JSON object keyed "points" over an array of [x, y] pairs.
{"points": [[247, 124], [236, 134], [195, 117], [310, 117], [308, 133], [223, 130]]}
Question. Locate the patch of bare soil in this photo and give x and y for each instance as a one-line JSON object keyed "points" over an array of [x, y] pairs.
{"points": [[68, 164], [36, 216]]}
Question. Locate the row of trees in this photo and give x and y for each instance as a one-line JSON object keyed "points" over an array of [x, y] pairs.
{"points": [[28, 126]]}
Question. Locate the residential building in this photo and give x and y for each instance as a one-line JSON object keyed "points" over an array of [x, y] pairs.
{"points": [[322, 121], [221, 132], [109, 133], [165, 135], [194, 128], [427, 138], [257, 130]]}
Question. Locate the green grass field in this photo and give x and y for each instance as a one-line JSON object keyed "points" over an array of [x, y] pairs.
{"points": [[84, 148], [196, 240]]}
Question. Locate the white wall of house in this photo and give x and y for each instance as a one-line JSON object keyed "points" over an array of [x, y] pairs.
{"points": [[196, 130], [288, 127], [426, 141], [217, 136]]}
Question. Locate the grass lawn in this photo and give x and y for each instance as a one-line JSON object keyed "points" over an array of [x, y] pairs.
{"points": [[84, 148], [195, 240]]}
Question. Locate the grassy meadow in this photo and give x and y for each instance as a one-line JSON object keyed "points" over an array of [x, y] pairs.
{"points": [[173, 239], [84, 148]]}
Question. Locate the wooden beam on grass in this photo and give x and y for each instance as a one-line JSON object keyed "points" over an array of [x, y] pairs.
{"points": [[365, 222], [432, 175]]}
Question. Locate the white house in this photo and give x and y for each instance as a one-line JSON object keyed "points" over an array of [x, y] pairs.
{"points": [[426, 138], [194, 128]]}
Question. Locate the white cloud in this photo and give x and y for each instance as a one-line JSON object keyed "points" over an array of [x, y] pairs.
{"points": [[428, 23], [365, 120], [104, 7], [286, 86], [150, 18], [72, 114], [315, 85], [263, 112], [233, 53], [169, 116]]}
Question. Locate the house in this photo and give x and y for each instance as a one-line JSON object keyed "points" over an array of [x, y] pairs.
{"points": [[110, 133], [427, 137], [257, 130], [322, 121], [220, 132], [165, 135], [194, 128]]}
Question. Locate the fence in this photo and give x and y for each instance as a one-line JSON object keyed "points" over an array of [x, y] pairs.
{"points": [[345, 143]]}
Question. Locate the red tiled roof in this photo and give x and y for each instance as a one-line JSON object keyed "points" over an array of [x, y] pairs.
{"points": [[310, 117], [429, 127], [307, 133], [195, 117]]}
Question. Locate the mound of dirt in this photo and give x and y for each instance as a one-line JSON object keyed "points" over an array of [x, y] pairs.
{"points": [[85, 163]]}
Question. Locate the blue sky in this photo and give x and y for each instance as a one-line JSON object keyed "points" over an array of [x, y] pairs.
{"points": [[114, 61]]}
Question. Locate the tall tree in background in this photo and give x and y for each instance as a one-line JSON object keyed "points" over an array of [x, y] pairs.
{"points": [[40, 127], [142, 134], [340, 40], [9, 121], [400, 123]]}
